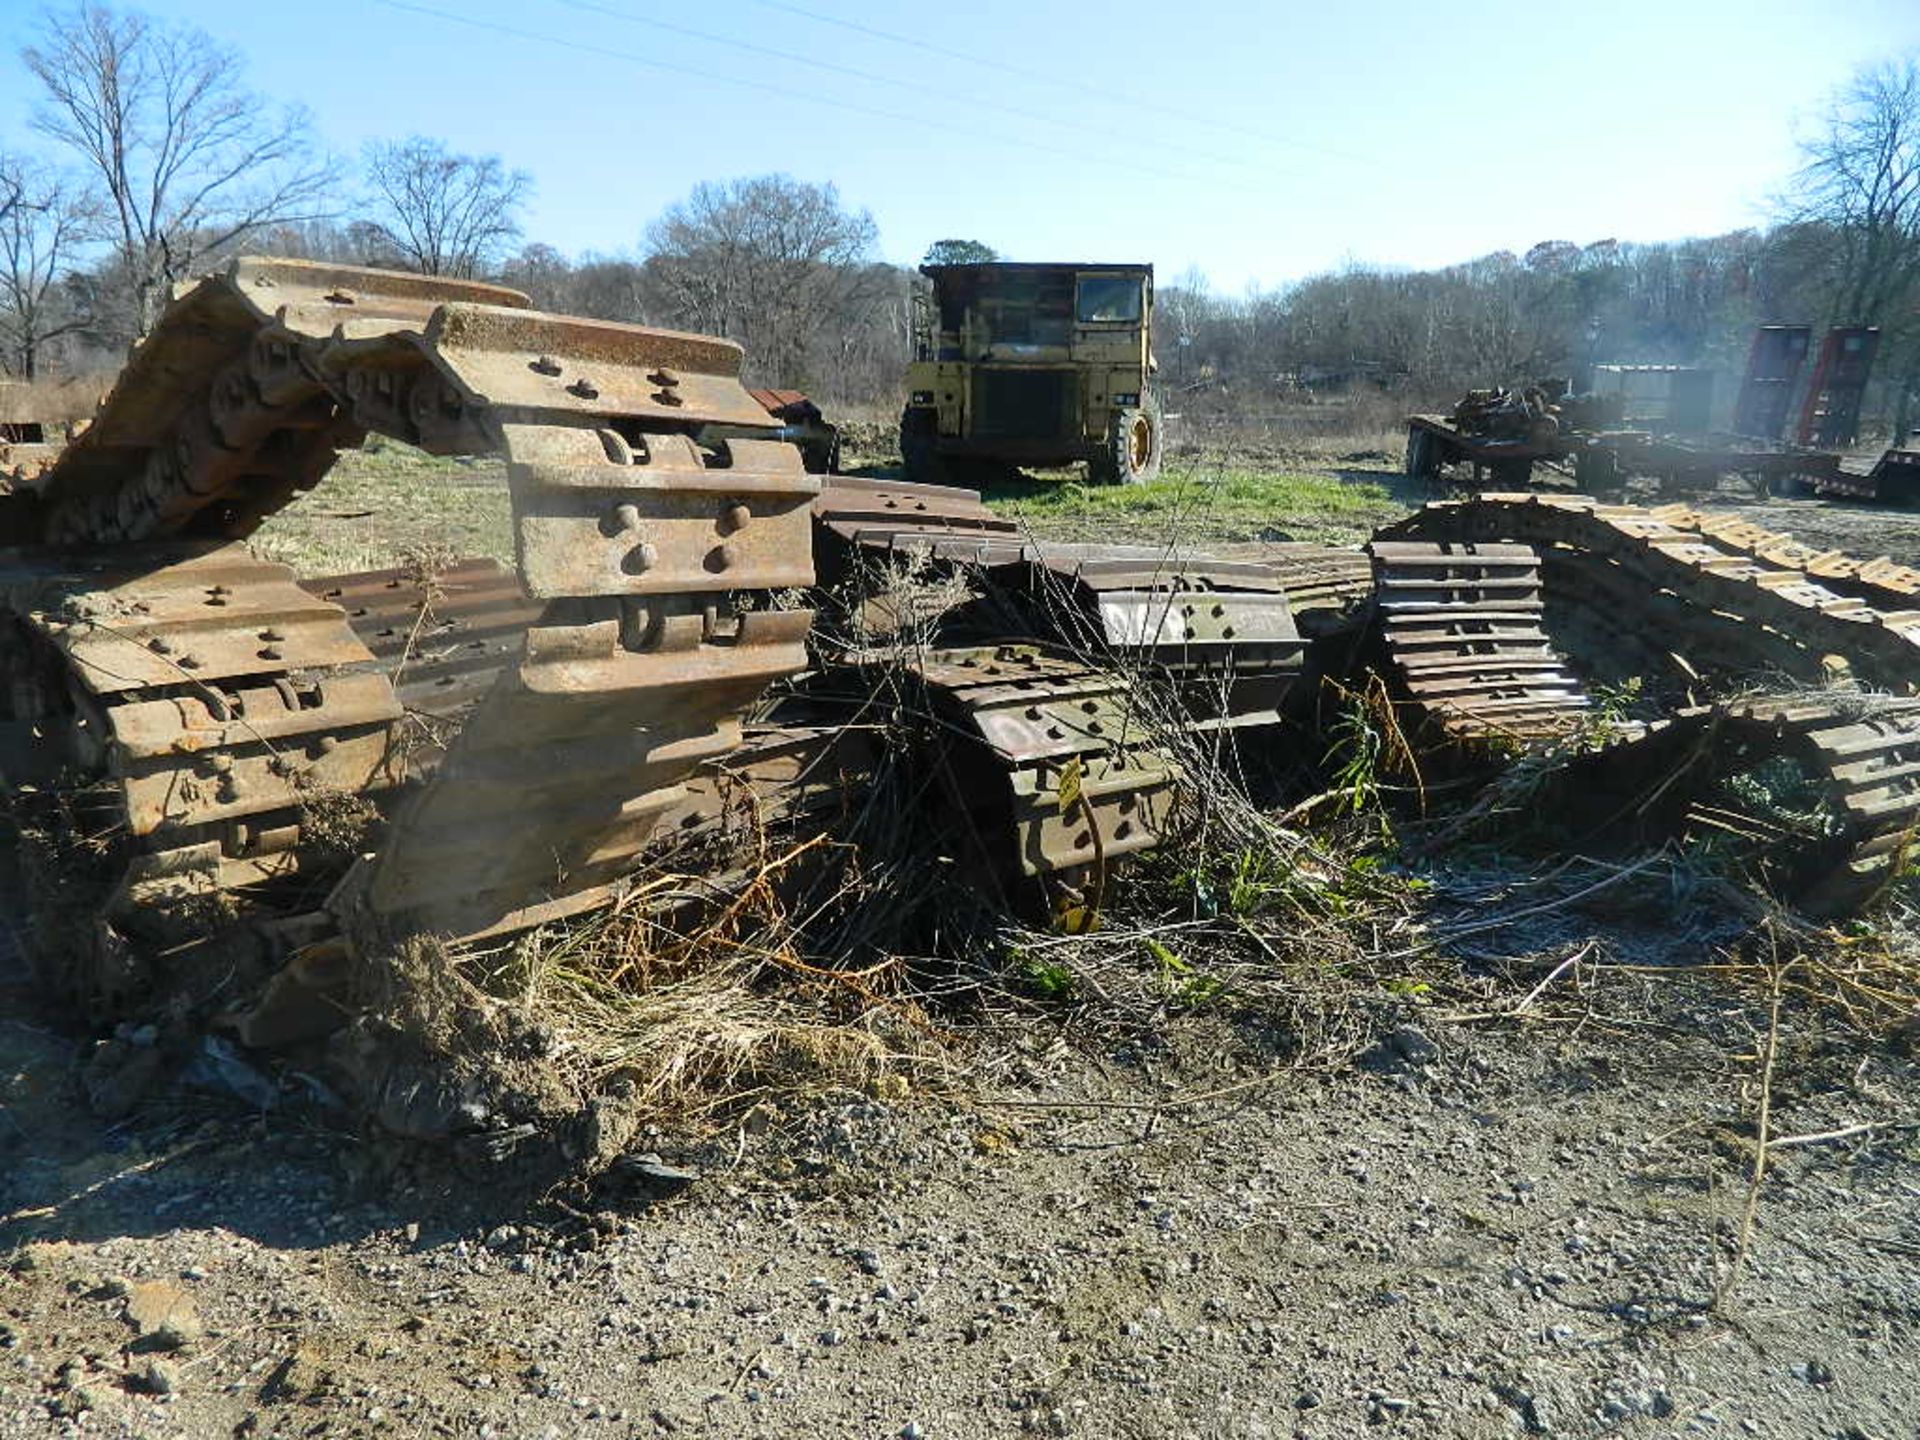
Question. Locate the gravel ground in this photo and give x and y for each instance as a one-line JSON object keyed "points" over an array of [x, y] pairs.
{"points": [[1482, 1230]]}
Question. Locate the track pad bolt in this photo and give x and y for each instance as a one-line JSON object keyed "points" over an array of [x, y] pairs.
{"points": [[735, 517], [544, 365], [626, 518]]}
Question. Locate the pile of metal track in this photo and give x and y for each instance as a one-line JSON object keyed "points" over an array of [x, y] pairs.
{"points": [[1731, 598], [219, 696], [532, 737]]}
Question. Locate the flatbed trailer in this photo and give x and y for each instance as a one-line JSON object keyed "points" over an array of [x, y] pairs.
{"points": [[1434, 441], [1605, 460], [1892, 479]]}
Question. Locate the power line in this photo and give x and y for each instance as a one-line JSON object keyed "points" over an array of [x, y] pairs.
{"points": [[720, 78], [1055, 78], [787, 57]]}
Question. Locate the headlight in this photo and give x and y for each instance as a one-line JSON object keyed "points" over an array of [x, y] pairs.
{"points": [[920, 397], [1129, 399]]}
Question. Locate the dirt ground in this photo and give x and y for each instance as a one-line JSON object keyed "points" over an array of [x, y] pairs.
{"points": [[1533, 1217], [1482, 1229]]}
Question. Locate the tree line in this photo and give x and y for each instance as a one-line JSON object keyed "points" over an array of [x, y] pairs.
{"points": [[156, 162]]}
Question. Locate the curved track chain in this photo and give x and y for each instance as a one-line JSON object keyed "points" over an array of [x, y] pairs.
{"points": [[1867, 764], [1862, 752], [1861, 756], [654, 559], [1742, 610], [1882, 580]]}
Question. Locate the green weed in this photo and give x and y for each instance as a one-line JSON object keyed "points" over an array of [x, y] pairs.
{"points": [[1180, 981], [1229, 500]]}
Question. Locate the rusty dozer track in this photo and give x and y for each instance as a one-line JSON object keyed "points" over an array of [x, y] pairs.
{"points": [[1035, 716], [1467, 617], [221, 698]]}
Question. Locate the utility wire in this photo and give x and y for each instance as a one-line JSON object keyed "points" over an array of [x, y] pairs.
{"points": [[974, 106], [716, 77], [1058, 79]]}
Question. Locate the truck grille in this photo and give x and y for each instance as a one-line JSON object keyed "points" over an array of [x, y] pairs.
{"points": [[1020, 402]]}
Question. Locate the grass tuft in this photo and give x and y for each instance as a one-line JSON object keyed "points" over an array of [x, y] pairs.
{"points": [[1195, 500]]}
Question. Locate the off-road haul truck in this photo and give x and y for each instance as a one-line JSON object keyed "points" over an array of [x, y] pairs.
{"points": [[1020, 364]]}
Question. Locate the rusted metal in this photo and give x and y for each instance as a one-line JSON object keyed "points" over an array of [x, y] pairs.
{"points": [[218, 691], [1507, 453], [1033, 716], [897, 517], [1715, 587], [1752, 611], [1857, 757], [441, 637], [656, 557], [1774, 362], [1830, 415], [1463, 627], [1221, 631]]}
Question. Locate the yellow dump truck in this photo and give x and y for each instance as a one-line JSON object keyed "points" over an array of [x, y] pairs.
{"points": [[1021, 364]]}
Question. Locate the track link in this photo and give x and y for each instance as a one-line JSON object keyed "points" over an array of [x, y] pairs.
{"points": [[1463, 627], [219, 698], [1733, 609], [1869, 768], [1029, 717]]}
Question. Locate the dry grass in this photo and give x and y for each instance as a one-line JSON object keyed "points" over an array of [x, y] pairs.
{"points": [[383, 504], [59, 403]]}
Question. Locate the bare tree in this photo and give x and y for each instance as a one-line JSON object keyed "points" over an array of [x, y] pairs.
{"points": [[190, 161], [441, 213], [769, 261], [1861, 184], [1862, 177], [41, 227]]}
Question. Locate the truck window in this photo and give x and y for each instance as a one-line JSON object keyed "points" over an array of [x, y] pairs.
{"points": [[1109, 298]]}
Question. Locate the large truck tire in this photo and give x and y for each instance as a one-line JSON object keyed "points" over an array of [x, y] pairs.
{"points": [[1135, 441]]}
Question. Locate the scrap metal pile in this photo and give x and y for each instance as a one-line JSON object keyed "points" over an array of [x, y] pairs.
{"points": [[530, 740], [1653, 422]]}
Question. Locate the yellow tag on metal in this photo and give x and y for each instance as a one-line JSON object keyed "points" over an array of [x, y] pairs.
{"points": [[1070, 777]]}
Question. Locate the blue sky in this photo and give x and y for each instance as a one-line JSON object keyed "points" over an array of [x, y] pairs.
{"points": [[1257, 142]]}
